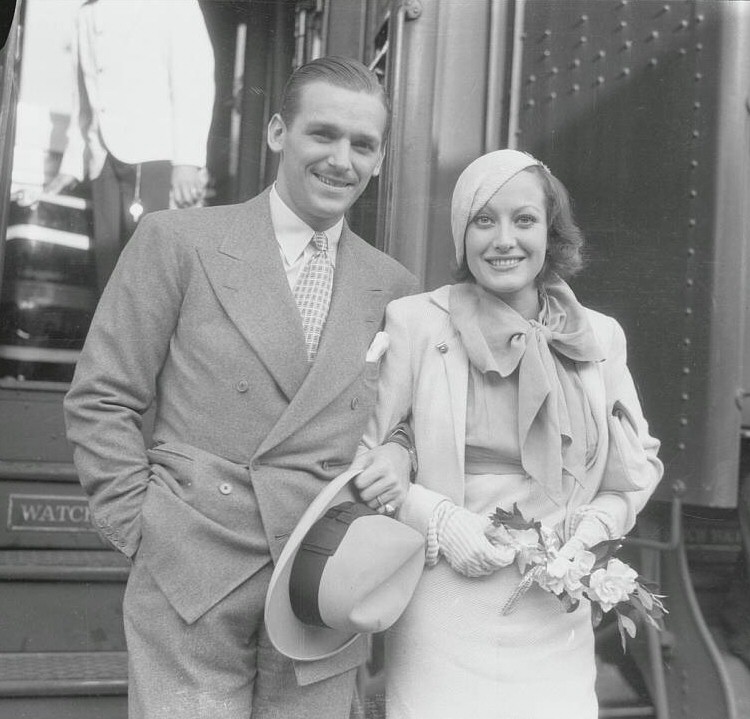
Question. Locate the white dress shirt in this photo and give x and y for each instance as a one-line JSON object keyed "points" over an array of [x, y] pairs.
{"points": [[144, 85], [295, 237]]}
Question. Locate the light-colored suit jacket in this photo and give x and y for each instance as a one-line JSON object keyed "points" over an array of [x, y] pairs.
{"points": [[425, 373], [198, 318], [144, 85]]}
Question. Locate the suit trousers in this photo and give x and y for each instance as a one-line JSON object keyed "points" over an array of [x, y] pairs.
{"points": [[112, 194], [223, 666]]}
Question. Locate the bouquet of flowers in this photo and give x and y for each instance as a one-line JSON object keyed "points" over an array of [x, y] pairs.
{"points": [[572, 573]]}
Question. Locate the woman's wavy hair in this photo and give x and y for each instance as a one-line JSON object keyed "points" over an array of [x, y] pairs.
{"points": [[565, 243]]}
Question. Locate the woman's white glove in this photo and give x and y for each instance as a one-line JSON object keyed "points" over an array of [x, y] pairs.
{"points": [[462, 540], [589, 528]]}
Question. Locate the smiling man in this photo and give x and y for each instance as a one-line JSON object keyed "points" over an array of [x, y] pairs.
{"points": [[247, 327]]}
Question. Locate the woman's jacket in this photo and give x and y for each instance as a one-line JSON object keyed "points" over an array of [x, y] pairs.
{"points": [[423, 376]]}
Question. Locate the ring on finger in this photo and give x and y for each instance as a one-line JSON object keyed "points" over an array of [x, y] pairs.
{"points": [[389, 509], [380, 502]]}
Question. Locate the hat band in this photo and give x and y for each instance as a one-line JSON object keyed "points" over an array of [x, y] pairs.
{"points": [[320, 543]]}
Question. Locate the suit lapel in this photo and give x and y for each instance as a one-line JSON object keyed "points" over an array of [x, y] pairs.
{"points": [[456, 364], [355, 314], [248, 278]]}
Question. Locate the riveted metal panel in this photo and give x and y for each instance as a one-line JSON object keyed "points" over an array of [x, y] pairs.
{"points": [[639, 108]]}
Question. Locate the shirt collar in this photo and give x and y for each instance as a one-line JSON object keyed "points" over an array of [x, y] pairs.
{"points": [[293, 234]]}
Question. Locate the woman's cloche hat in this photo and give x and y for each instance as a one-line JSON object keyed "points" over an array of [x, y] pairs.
{"points": [[344, 570]]}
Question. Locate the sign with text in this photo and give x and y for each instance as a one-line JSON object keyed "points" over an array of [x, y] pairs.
{"points": [[48, 513]]}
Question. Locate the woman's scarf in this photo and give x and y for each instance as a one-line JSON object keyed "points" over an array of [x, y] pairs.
{"points": [[551, 414]]}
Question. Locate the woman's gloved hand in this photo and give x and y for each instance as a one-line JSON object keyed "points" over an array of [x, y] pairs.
{"points": [[462, 540], [590, 528]]}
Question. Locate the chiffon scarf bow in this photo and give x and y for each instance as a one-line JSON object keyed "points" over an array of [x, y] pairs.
{"points": [[551, 405]]}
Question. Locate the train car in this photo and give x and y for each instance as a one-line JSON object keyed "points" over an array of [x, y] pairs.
{"points": [[640, 108]]}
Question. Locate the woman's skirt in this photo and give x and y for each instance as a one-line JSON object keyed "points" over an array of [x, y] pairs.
{"points": [[454, 655]]}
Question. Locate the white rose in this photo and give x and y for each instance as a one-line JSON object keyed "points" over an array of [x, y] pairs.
{"points": [[612, 585]]}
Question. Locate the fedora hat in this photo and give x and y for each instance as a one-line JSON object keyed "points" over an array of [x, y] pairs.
{"points": [[344, 570]]}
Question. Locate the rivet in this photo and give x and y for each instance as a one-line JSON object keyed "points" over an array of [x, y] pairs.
{"points": [[696, 133], [693, 193], [622, 3], [622, 24], [699, 46], [601, 54], [683, 24], [625, 72], [664, 8], [653, 35], [683, 421], [696, 106], [532, 78], [553, 71], [576, 63], [582, 40], [547, 32], [691, 251], [653, 62], [575, 87], [689, 282], [546, 53], [692, 222], [693, 163], [627, 45], [600, 80], [698, 77], [688, 310], [530, 102], [552, 95], [681, 446], [700, 18], [684, 396], [584, 18], [682, 51], [686, 370], [687, 342]]}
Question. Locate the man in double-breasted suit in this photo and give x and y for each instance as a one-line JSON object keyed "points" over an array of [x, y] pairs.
{"points": [[202, 318]]}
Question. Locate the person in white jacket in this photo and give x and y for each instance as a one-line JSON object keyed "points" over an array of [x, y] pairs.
{"points": [[142, 109]]}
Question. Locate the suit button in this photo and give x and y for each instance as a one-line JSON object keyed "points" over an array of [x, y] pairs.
{"points": [[242, 386], [355, 402], [255, 465], [442, 348], [225, 488]]}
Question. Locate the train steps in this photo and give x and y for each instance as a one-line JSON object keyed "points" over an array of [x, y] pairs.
{"points": [[63, 646]]}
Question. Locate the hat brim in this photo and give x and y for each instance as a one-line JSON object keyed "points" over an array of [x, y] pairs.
{"points": [[288, 634]]}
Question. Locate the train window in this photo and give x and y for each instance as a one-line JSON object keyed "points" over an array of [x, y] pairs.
{"points": [[51, 277], [47, 295]]}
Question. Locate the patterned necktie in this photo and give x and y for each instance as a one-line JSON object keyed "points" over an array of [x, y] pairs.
{"points": [[312, 293]]}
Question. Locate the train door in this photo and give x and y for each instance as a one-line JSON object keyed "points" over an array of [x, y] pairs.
{"points": [[640, 108], [62, 649]]}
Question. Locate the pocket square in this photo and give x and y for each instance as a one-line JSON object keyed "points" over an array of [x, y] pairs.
{"points": [[378, 347]]}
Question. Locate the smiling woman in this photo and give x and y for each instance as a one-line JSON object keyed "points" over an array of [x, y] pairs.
{"points": [[503, 379]]}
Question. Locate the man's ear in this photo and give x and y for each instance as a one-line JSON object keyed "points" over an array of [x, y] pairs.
{"points": [[276, 133]]}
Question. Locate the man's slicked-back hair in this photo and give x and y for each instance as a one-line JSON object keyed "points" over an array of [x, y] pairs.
{"points": [[342, 72]]}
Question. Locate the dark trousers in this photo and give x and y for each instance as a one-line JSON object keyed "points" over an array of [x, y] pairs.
{"points": [[112, 194]]}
